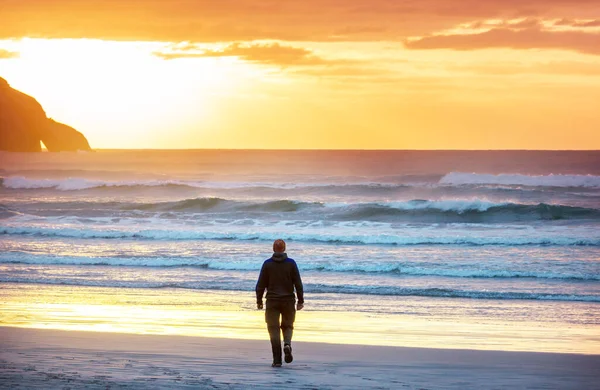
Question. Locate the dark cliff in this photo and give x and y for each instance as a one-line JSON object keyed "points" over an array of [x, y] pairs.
{"points": [[23, 124], [22, 120], [62, 138]]}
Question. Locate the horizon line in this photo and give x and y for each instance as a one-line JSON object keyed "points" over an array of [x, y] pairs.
{"points": [[343, 150]]}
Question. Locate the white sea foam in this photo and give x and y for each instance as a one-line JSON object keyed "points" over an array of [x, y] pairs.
{"points": [[450, 179], [458, 206], [459, 178], [377, 290], [473, 270], [323, 236], [76, 183]]}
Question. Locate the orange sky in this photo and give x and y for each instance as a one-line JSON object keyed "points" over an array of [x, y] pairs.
{"points": [[428, 74]]}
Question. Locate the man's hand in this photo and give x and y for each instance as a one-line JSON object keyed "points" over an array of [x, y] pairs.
{"points": [[259, 305], [300, 306]]}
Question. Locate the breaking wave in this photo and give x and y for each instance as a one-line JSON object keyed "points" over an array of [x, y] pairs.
{"points": [[79, 184], [450, 179], [390, 268], [417, 210], [316, 237], [458, 178]]}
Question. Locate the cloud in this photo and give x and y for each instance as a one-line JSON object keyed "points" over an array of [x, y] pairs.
{"points": [[578, 23], [269, 53], [518, 68], [247, 20], [6, 54], [528, 38]]}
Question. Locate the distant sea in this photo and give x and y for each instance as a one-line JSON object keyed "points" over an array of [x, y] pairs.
{"points": [[363, 226]]}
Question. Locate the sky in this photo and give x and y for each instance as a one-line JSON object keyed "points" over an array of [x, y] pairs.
{"points": [[326, 74]]}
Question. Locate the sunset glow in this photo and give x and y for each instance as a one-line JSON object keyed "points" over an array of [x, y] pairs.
{"points": [[378, 76], [356, 194]]}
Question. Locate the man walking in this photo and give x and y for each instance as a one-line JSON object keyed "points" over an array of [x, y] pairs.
{"points": [[279, 275]]}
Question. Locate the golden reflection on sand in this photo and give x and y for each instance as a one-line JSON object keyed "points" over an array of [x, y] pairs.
{"points": [[232, 315]]}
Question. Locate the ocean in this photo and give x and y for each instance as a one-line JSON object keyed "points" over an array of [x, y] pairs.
{"points": [[493, 236]]}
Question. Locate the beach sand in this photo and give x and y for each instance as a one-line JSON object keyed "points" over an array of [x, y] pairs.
{"points": [[42, 358]]}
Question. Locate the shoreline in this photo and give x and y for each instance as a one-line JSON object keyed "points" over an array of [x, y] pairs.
{"points": [[41, 358]]}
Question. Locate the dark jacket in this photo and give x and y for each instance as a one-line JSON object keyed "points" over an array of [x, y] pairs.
{"points": [[279, 275]]}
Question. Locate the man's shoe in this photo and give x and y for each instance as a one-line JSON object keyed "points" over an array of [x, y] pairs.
{"points": [[276, 365], [287, 350]]}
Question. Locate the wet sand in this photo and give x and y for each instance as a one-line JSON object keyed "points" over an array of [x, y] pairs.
{"points": [[42, 358]]}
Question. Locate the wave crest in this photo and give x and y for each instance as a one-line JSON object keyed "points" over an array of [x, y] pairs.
{"points": [[460, 179], [418, 210], [250, 264], [317, 237], [450, 179]]}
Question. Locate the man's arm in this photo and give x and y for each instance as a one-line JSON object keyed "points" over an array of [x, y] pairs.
{"points": [[298, 285], [261, 285]]}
